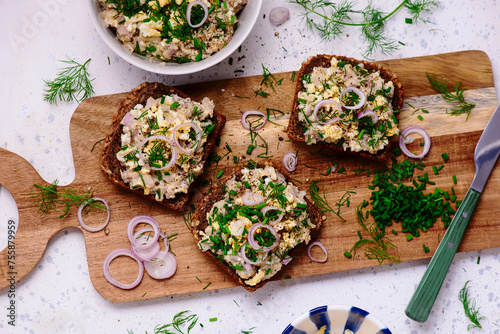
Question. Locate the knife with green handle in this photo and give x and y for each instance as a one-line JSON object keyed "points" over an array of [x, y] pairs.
{"points": [[485, 157]]}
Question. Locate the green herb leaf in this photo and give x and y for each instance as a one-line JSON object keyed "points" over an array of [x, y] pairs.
{"points": [[470, 307], [73, 83]]}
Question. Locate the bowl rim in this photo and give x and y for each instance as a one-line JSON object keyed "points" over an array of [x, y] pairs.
{"points": [[172, 68], [346, 308]]}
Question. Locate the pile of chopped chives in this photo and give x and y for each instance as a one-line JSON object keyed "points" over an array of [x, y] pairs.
{"points": [[394, 201]]}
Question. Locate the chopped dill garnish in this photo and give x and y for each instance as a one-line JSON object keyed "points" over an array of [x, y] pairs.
{"points": [[73, 83]]}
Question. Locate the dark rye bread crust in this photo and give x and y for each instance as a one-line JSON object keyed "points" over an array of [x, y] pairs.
{"points": [[199, 221], [110, 164], [296, 129]]}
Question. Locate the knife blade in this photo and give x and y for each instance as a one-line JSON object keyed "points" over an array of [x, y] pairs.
{"points": [[485, 157]]}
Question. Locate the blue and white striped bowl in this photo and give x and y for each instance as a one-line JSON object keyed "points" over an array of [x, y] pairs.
{"points": [[337, 319]]}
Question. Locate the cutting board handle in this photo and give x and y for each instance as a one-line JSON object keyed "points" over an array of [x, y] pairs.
{"points": [[33, 231]]}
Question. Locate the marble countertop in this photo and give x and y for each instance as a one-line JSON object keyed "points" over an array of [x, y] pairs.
{"points": [[58, 296]]}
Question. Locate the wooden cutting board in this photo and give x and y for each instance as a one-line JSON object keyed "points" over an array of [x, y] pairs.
{"points": [[195, 272]]}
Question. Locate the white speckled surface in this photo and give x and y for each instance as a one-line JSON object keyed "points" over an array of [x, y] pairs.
{"points": [[58, 297]]}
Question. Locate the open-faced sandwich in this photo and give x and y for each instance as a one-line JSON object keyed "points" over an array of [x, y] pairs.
{"points": [[346, 104], [159, 143], [251, 223], [173, 30]]}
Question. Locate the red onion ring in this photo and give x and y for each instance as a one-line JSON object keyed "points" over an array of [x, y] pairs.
{"points": [[252, 242], [320, 245], [136, 221], [267, 208], [322, 103], [278, 15], [107, 273], [243, 255], [127, 118], [359, 92], [175, 152], [252, 112], [290, 161], [80, 218], [420, 131], [148, 253], [188, 13], [198, 137], [251, 198], [163, 266], [369, 112]]}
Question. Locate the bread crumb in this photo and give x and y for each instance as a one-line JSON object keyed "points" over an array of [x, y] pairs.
{"points": [[323, 217]]}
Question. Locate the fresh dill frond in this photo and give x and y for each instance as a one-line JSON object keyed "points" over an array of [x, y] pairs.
{"points": [[470, 307], [73, 83], [377, 245], [321, 202], [181, 318], [417, 7], [457, 97], [329, 18], [49, 196]]}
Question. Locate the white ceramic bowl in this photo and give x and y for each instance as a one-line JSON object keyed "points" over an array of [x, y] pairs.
{"points": [[247, 19], [337, 319]]}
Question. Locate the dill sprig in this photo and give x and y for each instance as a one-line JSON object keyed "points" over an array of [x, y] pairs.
{"points": [[181, 318], [379, 244], [48, 197], [470, 307], [334, 16], [73, 83], [457, 97], [321, 202]]}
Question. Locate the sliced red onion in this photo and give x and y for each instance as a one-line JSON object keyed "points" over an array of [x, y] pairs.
{"points": [[142, 237], [420, 131], [251, 237], [320, 245], [243, 255], [151, 102], [268, 208], [278, 15], [80, 218], [359, 92], [196, 128], [370, 113], [248, 269], [251, 198], [290, 161], [175, 152], [107, 273], [163, 266], [249, 113], [188, 13], [127, 119], [287, 260], [138, 220], [320, 105]]}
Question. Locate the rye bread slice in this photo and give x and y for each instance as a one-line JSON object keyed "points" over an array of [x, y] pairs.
{"points": [[296, 129], [110, 164], [199, 221]]}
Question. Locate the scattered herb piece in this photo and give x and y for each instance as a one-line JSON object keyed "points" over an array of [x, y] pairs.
{"points": [[213, 319], [97, 142], [470, 307], [48, 197], [379, 244], [73, 83], [457, 97], [321, 202]]}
